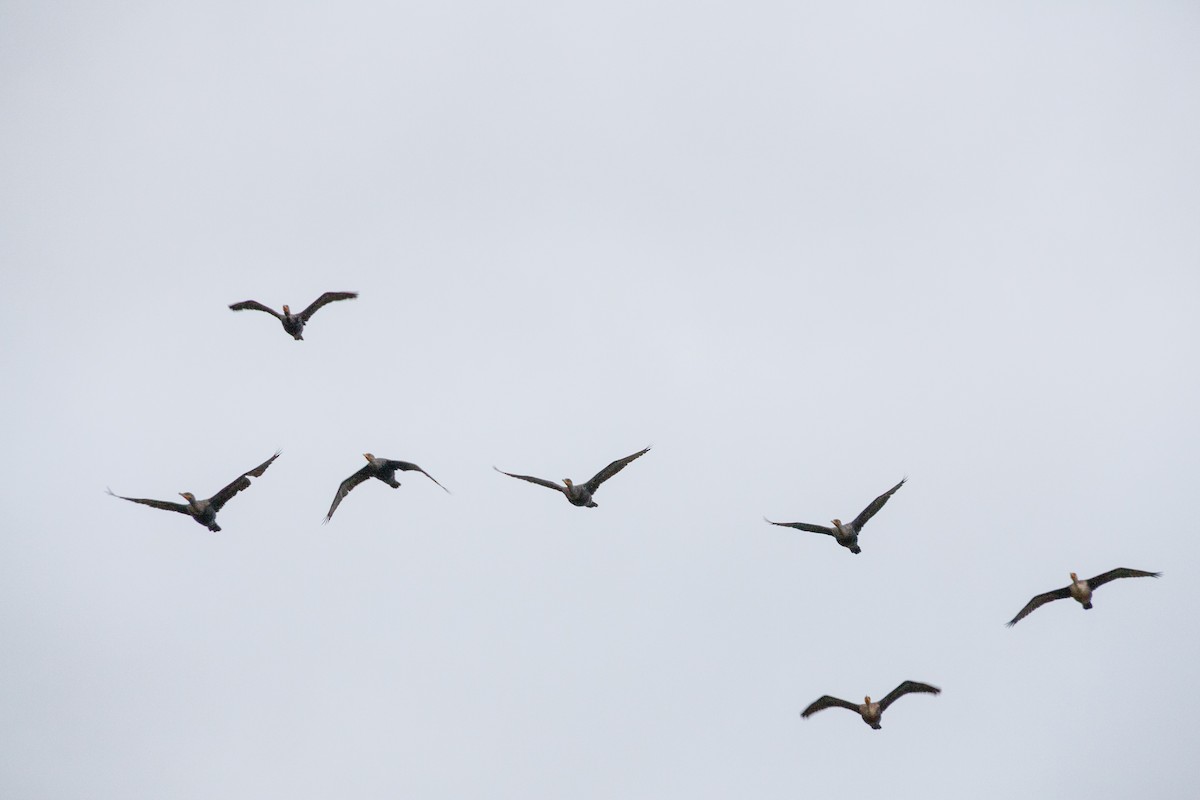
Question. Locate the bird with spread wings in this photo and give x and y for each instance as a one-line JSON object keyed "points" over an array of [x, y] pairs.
{"points": [[294, 323], [580, 494], [205, 511], [380, 468]]}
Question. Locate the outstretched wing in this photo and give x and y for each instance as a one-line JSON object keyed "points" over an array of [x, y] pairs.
{"points": [[344, 488], [876, 504], [612, 469], [254, 305], [409, 467], [531, 479], [328, 297], [906, 688], [243, 482], [1040, 600], [165, 505], [1120, 572], [829, 701], [805, 526]]}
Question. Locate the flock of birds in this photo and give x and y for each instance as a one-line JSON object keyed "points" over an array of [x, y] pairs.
{"points": [[845, 534]]}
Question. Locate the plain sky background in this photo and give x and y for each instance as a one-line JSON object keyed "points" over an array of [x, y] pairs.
{"points": [[801, 249]]}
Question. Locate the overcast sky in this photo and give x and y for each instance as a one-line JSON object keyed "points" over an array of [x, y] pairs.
{"points": [[801, 250]]}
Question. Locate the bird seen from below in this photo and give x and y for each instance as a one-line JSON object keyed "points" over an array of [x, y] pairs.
{"points": [[294, 323], [380, 468], [846, 534], [580, 494], [1079, 590], [205, 511], [870, 712]]}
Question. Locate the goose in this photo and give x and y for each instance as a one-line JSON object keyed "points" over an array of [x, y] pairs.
{"points": [[381, 469], [845, 533], [580, 494], [1079, 590], [294, 323], [870, 712], [205, 511]]}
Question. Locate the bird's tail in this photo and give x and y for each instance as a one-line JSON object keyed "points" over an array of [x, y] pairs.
{"points": [[1087, 605], [214, 527]]}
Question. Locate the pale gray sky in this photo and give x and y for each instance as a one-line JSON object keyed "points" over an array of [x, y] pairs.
{"points": [[802, 250]]}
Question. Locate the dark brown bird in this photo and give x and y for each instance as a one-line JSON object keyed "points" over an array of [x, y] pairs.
{"points": [[846, 534], [1080, 591], [380, 468], [294, 323], [205, 511], [870, 712], [580, 494]]}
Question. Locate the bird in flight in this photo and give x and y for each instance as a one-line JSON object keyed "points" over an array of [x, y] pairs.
{"points": [[205, 511], [870, 712], [580, 494], [381, 468], [1079, 590], [846, 534], [294, 323]]}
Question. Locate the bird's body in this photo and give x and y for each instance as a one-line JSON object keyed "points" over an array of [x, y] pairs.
{"points": [[580, 494], [202, 511], [205, 511], [1079, 590], [294, 323], [871, 712], [846, 533], [381, 469]]}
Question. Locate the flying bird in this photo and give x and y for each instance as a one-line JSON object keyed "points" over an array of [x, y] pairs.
{"points": [[580, 494], [380, 468], [205, 511], [294, 323], [870, 712], [1080, 591], [846, 533]]}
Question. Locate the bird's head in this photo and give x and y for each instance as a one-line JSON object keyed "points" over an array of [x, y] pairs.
{"points": [[1074, 577], [368, 457], [837, 523], [287, 310], [191, 498], [867, 700], [568, 483]]}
